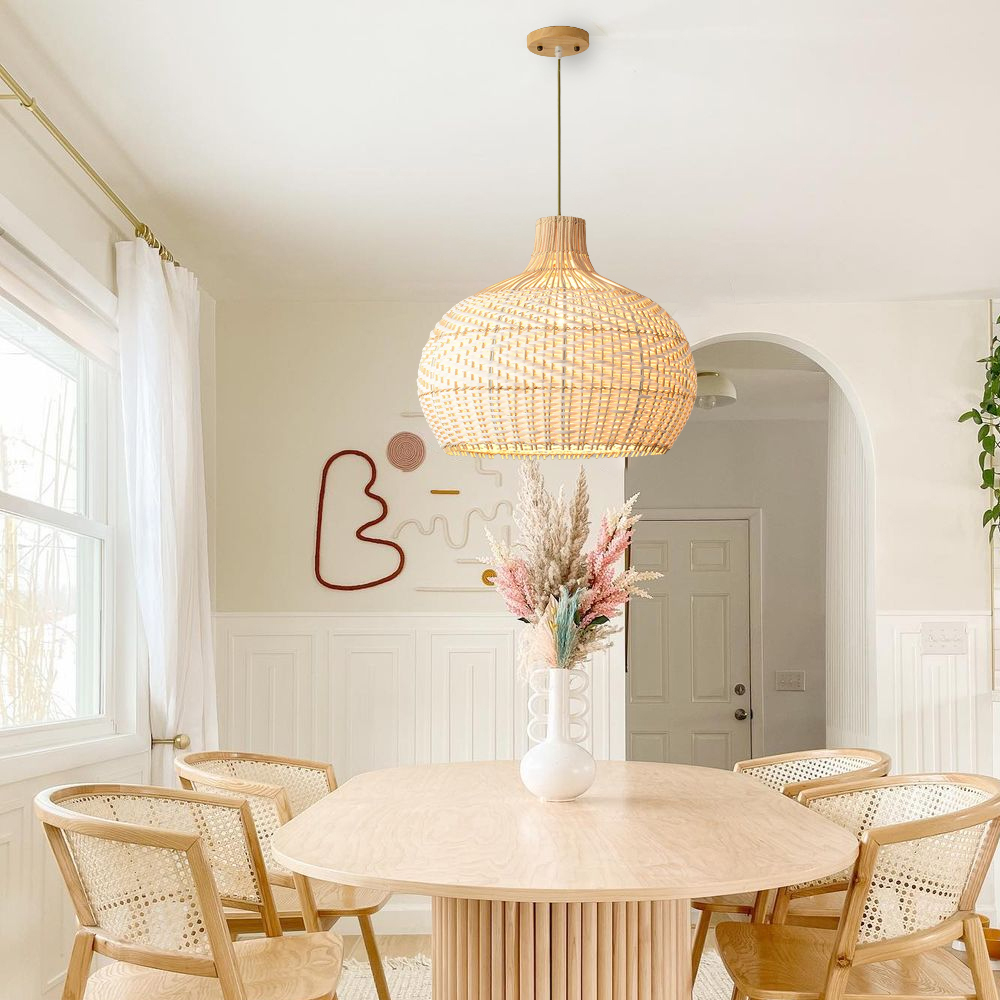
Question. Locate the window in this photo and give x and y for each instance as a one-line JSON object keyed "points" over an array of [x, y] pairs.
{"points": [[56, 581]]}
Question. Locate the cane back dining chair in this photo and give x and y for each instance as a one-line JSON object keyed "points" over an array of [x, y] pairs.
{"points": [[927, 842], [789, 773], [276, 789], [148, 871]]}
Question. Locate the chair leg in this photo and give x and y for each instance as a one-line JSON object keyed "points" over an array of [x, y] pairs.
{"points": [[779, 911], [374, 958], [761, 907], [79, 966], [700, 936], [979, 959]]}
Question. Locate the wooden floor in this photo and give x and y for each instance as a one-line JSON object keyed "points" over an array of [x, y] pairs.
{"points": [[408, 945]]}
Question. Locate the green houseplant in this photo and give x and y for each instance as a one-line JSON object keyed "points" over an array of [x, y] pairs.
{"points": [[987, 417]]}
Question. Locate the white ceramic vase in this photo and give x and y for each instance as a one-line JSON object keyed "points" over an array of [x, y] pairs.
{"points": [[558, 768]]}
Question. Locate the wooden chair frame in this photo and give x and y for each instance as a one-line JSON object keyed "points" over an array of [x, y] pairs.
{"points": [[880, 765], [90, 939], [189, 772], [846, 952], [759, 909]]}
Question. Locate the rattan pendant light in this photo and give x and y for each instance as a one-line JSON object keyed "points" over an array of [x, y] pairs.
{"points": [[557, 361]]}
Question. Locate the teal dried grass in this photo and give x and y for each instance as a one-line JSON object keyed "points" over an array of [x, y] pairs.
{"points": [[567, 630]]}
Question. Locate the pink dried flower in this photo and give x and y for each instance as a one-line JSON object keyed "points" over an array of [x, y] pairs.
{"points": [[514, 584], [550, 562]]}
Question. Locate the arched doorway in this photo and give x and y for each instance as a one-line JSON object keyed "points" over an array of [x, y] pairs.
{"points": [[762, 518]]}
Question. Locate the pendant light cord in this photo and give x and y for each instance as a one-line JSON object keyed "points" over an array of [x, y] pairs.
{"points": [[558, 130]]}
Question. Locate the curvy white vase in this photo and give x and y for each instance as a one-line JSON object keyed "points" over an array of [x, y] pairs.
{"points": [[558, 768]]}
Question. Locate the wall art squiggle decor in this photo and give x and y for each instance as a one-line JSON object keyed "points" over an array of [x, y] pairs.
{"points": [[406, 451], [360, 532], [452, 590], [446, 531], [488, 472]]}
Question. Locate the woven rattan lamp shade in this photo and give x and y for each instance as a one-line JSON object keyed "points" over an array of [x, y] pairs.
{"points": [[557, 361]]}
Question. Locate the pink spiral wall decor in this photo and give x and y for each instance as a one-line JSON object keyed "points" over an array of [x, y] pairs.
{"points": [[406, 451]]}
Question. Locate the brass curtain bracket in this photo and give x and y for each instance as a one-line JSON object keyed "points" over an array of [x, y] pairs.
{"points": [[180, 742], [19, 94]]}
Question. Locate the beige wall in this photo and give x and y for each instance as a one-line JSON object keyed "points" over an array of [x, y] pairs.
{"points": [[37, 177], [298, 382], [778, 466], [911, 367]]}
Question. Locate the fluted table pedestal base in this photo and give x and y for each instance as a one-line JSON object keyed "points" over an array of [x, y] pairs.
{"points": [[488, 950]]}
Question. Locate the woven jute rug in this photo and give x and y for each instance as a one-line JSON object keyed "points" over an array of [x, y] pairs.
{"points": [[410, 979]]}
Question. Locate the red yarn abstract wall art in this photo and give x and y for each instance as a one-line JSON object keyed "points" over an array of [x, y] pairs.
{"points": [[360, 533]]}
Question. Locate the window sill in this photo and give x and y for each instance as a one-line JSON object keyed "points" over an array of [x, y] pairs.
{"points": [[34, 762]]}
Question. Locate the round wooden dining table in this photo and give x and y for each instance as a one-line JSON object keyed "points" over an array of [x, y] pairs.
{"points": [[589, 899]]}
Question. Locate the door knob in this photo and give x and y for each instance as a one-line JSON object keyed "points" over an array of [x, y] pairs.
{"points": [[741, 714]]}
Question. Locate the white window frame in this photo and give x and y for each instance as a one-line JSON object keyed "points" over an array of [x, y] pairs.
{"points": [[43, 281]]}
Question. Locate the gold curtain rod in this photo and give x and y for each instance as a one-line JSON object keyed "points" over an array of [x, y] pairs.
{"points": [[19, 94]]}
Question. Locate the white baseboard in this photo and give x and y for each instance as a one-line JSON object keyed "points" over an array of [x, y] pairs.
{"points": [[401, 915]]}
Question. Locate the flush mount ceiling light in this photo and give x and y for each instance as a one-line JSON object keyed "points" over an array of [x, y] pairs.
{"points": [[714, 390], [557, 361]]}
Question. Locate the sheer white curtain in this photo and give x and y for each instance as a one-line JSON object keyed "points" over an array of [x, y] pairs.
{"points": [[164, 467]]}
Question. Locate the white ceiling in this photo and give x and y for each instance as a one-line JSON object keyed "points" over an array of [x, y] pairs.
{"points": [[752, 355], [721, 150], [772, 383]]}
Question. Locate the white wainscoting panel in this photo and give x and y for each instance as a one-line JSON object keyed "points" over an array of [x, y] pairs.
{"points": [[376, 690], [370, 708], [935, 712], [36, 919], [270, 682], [477, 701], [367, 691]]}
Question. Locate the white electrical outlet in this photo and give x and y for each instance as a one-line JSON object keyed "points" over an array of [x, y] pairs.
{"points": [[789, 680], [944, 639]]}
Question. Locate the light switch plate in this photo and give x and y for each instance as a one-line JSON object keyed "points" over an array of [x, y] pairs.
{"points": [[944, 639], [789, 680]]}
